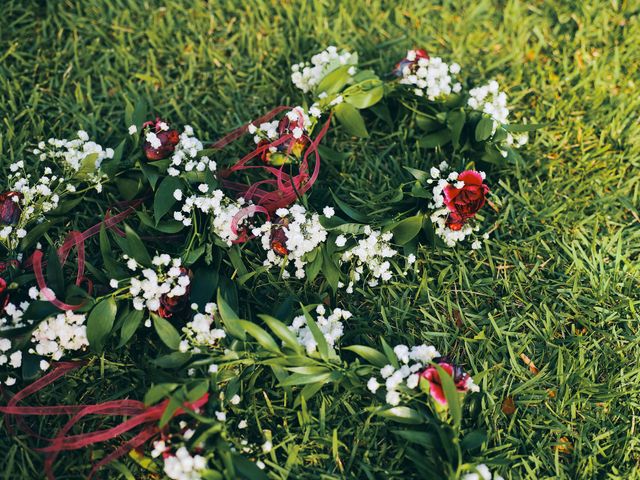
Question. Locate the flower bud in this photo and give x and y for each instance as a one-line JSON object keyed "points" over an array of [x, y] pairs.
{"points": [[10, 208]]}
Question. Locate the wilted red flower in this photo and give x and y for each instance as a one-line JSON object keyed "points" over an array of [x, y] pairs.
{"points": [[4, 294], [10, 208], [172, 305], [430, 375], [463, 203], [279, 241], [412, 58], [163, 144]]}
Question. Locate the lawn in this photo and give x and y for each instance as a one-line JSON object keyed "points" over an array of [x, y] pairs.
{"points": [[546, 312]]}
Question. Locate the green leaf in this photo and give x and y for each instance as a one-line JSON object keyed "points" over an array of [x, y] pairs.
{"points": [[350, 211], [351, 119], [330, 270], [281, 331], [203, 286], [100, 323], [452, 395], [265, 340], [139, 113], [164, 199], [167, 332], [334, 80], [304, 379], [371, 355], [419, 175], [159, 392], [455, 122], [436, 139], [364, 94], [528, 127], [136, 247], [405, 230], [323, 346], [130, 324], [484, 128], [230, 319], [402, 415], [172, 360]]}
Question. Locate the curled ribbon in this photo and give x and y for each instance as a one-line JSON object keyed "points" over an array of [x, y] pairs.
{"points": [[287, 187], [76, 240], [141, 416]]}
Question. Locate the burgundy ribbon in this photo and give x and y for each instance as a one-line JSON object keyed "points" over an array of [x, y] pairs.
{"points": [[141, 416], [286, 188], [76, 240]]}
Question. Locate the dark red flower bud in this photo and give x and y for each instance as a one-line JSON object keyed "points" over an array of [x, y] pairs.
{"points": [[4, 294], [279, 239], [165, 143], [169, 306], [463, 203], [10, 208]]}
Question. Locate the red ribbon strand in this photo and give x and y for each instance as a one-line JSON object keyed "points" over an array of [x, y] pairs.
{"points": [[141, 416]]}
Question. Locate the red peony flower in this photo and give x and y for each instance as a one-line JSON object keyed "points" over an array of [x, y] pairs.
{"points": [[4, 294], [431, 375], [410, 60], [10, 208], [173, 305], [166, 142], [463, 203]]}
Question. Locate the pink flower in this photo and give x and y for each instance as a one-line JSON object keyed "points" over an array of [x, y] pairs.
{"points": [[431, 376]]}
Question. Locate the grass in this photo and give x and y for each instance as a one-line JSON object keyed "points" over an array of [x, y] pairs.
{"points": [[558, 282]]}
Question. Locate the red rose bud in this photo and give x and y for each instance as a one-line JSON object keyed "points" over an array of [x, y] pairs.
{"points": [[169, 306], [463, 203], [412, 58], [10, 208], [430, 381], [162, 143]]}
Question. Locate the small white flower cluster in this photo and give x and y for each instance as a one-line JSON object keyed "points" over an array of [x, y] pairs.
{"points": [[185, 156], [306, 76], [482, 472], [268, 131], [431, 77], [370, 253], [199, 331], [412, 360], [13, 359], [301, 233], [441, 213], [38, 196], [490, 100], [12, 319], [80, 156], [60, 334], [330, 326], [167, 279], [11, 316], [221, 208], [183, 465]]}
